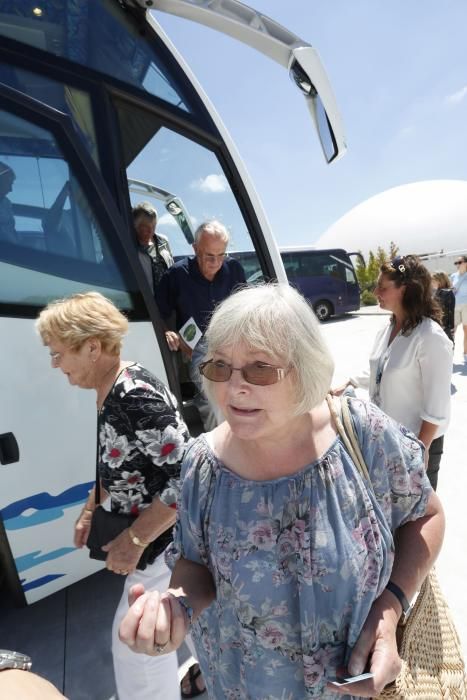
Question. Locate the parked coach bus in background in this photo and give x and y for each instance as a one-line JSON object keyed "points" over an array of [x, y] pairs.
{"points": [[325, 277], [94, 95]]}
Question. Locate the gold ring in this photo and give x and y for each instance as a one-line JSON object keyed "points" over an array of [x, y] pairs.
{"points": [[124, 573], [158, 648]]}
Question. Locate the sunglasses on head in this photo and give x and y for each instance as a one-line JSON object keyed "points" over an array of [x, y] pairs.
{"points": [[258, 373], [398, 265]]}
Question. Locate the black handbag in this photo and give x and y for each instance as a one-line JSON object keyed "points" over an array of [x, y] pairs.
{"points": [[107, 525]]}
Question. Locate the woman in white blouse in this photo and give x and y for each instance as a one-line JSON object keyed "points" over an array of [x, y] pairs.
{"points": [[411, 360]]}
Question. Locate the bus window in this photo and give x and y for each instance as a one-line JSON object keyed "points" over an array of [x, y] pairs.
{"points": [[292, 266], [51, 243], [160, 156], [99, 35], [67, 99], [350, 275]]}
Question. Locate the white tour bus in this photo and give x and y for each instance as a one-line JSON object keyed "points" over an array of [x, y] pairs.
{"points": [[94, 95]]}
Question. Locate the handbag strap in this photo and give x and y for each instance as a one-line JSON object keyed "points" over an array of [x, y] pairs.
{"points": [[341, 414]]}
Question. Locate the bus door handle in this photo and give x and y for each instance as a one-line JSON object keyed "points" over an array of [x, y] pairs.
{"points": [[9, 450]]}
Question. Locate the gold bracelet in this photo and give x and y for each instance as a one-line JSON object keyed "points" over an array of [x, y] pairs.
{"points": [[136, 540]]}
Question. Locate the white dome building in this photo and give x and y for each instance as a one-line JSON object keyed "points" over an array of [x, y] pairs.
{"points": [[421, 217]]}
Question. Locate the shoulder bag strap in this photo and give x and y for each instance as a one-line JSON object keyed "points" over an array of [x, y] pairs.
{"points": [[341, 414]]}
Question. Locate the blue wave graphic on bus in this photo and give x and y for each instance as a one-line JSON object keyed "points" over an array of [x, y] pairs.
{"points": [[40, 581], [46, 507], [27, 561]]}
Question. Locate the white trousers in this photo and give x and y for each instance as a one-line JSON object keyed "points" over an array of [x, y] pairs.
{"points": [[137, 676]]}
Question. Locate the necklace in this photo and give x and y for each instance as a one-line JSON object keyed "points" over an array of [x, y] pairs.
{"points": [[103, 383]]}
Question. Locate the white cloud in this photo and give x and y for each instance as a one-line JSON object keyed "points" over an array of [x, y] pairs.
{"points": [[168, 220], [210, 183], [456, 97]]}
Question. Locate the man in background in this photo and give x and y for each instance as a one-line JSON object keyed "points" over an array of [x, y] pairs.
{"points": [[191, 289], [153, 249]]}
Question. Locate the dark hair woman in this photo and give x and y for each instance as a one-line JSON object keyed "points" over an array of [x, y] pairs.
{"points": [[411, 360]]}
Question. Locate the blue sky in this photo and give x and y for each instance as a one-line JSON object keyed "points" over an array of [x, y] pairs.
{"points": [[399, 73]]}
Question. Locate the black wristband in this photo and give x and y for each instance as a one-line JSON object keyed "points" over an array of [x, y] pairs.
{"points": [[400, 595]]}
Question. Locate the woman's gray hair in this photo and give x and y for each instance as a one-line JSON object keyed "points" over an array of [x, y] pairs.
{"points": [[214, 228], [276, 319]]}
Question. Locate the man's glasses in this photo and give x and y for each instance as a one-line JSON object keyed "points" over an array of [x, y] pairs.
{"points": [[459, 262], [210, 257], [257, 373]]}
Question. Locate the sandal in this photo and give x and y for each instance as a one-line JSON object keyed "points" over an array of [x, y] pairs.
{"points": [[192, 676]]}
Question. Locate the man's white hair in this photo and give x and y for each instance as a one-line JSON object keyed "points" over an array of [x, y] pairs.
{"points": [[213, 228], [276, 319]]}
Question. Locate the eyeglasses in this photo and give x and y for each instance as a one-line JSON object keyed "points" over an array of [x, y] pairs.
{"points": [[55, 357], [459, 262], [210, 257], [258, 373]]}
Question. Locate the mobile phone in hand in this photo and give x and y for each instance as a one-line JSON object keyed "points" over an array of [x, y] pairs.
{"points": [[341, 682]]}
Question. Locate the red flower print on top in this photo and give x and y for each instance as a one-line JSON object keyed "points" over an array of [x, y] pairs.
{"points": [[168, 448], [163, 446]]}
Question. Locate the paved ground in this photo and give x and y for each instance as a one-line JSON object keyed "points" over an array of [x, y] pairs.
{"points": [[351, 339]]}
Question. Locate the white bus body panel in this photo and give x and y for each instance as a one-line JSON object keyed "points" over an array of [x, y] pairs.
{"points": [[54, 424]]}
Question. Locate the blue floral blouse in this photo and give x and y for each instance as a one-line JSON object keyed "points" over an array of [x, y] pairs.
{"points": [[297, 561]]}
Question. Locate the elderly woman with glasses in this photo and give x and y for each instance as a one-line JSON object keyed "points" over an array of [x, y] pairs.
{"points": [[141, 440], [411, 361], [288, 564]]}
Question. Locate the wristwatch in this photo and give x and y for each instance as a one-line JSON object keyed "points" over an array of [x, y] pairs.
{"points": [[402, 598], [136, 540], [13, 659]]}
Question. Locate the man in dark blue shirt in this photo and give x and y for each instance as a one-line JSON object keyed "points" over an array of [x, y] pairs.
{"points": [[192, 288]]}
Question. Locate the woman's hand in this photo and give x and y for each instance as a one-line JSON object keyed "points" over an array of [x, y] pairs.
{"points": [[82, 527], [122, 554], [339, 390], [375, 650], [155, 622]]}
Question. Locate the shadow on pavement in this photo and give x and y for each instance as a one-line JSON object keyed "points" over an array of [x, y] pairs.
{"points": [[459, 368]]}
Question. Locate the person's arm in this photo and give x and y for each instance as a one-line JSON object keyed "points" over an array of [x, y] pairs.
{"points": [[426, 434], [123, 554], [434, 355], [413, 511], [25, 685], [188, 557], [165, 296], [417, 545], [83, 523], [158, 618], [162, 443]]}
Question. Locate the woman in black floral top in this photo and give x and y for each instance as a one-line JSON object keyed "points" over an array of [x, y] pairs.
{"points": [[142, 440]]}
